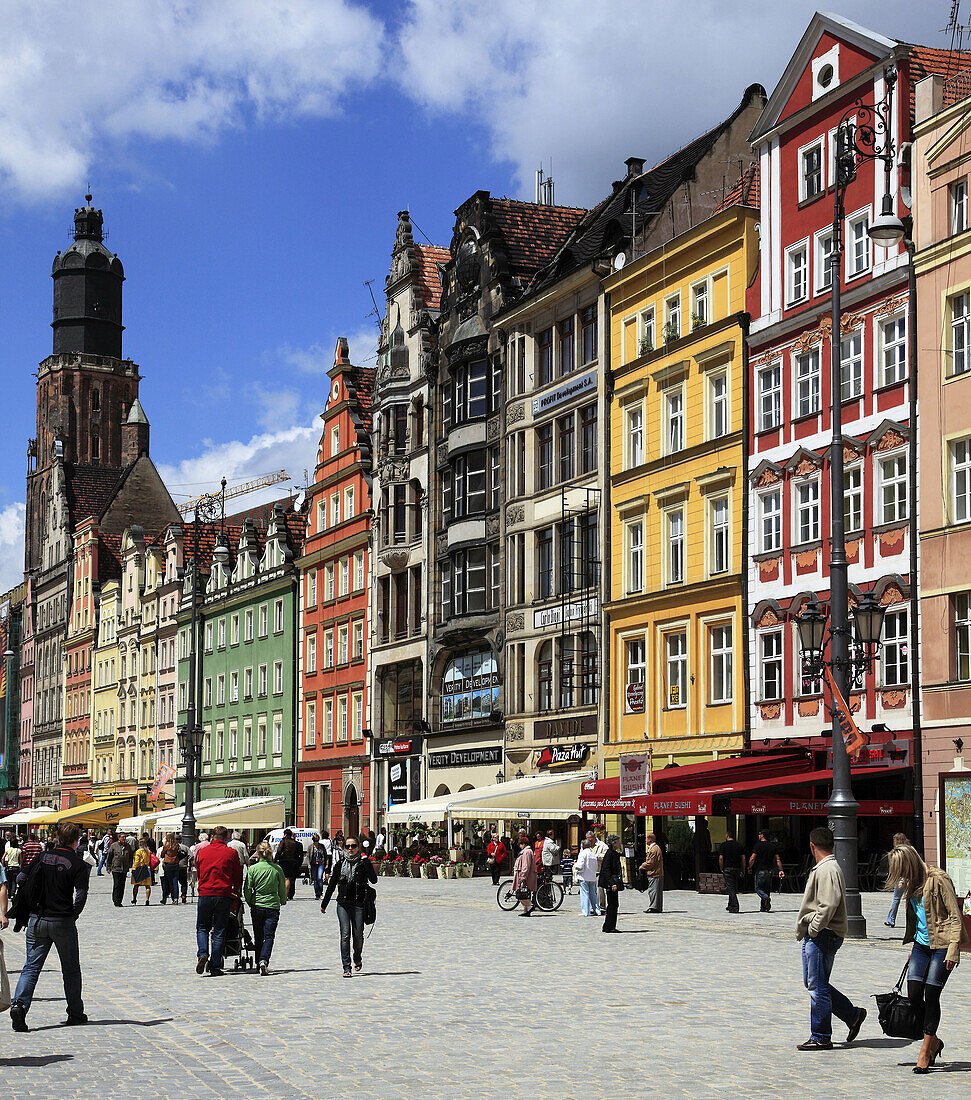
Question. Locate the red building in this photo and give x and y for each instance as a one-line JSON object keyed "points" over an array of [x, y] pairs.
{"points": [[835, 64], [333, 776]]}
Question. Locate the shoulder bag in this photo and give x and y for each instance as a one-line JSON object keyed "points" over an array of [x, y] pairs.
{"points": [[898, 1015]]}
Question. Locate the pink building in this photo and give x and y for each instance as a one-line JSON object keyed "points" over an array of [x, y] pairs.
{"points": [[27, 698]]}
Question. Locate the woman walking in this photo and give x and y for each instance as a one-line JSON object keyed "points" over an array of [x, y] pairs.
{"points": [[611, 879], [290, 857], [891, 921], [170, 869], [585, 872], [524, 874], [350, 876], [265, 892], [935, 929], [496, 857], [141, 872]]}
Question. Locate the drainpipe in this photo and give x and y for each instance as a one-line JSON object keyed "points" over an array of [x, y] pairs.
{"points": [[746, 417], [605, 647], [915, 697]]}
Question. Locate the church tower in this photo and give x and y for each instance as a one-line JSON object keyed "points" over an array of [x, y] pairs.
{"points": [[85, 390]]}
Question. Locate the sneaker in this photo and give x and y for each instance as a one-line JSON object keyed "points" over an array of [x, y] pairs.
{"points": [[857, 1024], [216, 971], [264, 966], [75, 1021], [814, 1044], [889, 924], [347, 973], [18, 1017], [201, 964]]}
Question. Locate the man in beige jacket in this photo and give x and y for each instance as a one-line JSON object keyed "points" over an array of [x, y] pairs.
{"points": [[821, 928]]}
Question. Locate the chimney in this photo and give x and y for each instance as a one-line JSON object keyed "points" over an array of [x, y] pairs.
{"points": [[635, 166]]}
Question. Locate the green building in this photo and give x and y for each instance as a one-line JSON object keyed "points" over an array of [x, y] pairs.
{"points": [[246, 655]]}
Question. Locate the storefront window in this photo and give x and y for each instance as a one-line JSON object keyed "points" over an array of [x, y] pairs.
{"points": [[470, 687]]}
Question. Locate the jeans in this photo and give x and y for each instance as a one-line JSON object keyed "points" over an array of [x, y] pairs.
{"points": [[892, 915], [589, 906], [655, 894], [101, 862], [212, 914], [317, 878], [170, 881], [351, 917], [730, 875], [42, 935], [763, 884], [118, 886], [818, 956], [184, 881], [264, 930]]}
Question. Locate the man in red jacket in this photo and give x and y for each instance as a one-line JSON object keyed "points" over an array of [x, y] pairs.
{"points": [[220, 881]]}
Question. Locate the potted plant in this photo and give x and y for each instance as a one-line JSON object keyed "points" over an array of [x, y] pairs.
{"points": [[645, 346], [697, 321], [671, 332], [447, 869], [416, 865], [463, 870], [401, 867]]}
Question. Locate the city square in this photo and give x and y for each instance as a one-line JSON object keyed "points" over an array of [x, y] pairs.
{"points": [[457, 998]]}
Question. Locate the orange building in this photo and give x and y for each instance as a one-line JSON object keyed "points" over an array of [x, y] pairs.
{"points": [[333, 776]]}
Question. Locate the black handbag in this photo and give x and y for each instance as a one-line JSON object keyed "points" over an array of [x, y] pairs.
{"points": [[898, 1015]]}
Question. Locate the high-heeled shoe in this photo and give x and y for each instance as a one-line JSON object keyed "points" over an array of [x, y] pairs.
{"points": [[937, 1052]]}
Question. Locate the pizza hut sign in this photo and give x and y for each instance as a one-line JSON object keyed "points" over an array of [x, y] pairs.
{"points": [[562, 756]]}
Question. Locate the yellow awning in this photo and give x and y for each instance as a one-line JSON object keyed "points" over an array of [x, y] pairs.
{"points": [[90, 813]]}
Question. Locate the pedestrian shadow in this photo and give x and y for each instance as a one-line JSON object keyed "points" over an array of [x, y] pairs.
{"points": [[634, 931], [386, 973], [953, 1067], [301, 970], [35, 1060], [108, 1023], [877, 1044]]}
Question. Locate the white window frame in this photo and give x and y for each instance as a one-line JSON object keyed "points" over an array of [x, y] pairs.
{"points": [[894, 655], [719, 534], [798, 507], [775, 635], [822, 270], [635, 670], [820, 145], [774, 517], [634, 454], [800, 248], [851, 366], [646, 328], [898, 482], [957, 197], [813, 381], [672, 317], [675, 660], [960, 333], [674, 558], [701, 293], [721, 673], [959, 480], [634, 557], [719, 405], [854, 266], [961, 604], [311, 736], [673, 428], [773, 371], [900, 345], [853, 472]]}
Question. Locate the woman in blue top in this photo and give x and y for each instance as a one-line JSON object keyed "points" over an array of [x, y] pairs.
{"points": [[936, 930]]}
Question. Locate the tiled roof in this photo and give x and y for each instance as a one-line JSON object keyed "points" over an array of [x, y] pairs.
{"points": [[927, 61], [90, 489], [429, 282], [533, 232], [746, 190], [260, 513], [364, 380], [109, 556]]}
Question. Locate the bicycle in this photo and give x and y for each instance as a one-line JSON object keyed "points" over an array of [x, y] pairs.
{"points": [[548, 896]]}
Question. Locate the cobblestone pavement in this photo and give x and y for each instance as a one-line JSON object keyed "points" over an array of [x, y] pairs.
{"points": [[458, 998]]}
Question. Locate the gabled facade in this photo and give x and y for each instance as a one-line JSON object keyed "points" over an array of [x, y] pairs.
{"points": [[333, 772], [111, 764], [26, 748]]}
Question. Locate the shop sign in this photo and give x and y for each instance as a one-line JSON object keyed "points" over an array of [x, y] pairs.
{"points": [[398, 746], [398, 783], [466, 758], [560, 613], [608, 805], [674, 805], [808, 807], [523, 814], [569, 390], [247, 792], [562, 756], [635, 774], [888, 755], [581, 726], [635, 697]]}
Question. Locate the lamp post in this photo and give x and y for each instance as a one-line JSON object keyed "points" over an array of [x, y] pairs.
{"points": [[864, 133]]}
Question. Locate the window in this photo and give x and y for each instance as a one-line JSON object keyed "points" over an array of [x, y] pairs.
{"points": [[469, 580], [672, 318], [335, 441], [675, 525], [811, 183], [851, 366], [209, 637], [718, 410], [721, 553], [565, 441], [261, 737], [248, 684], [335, 509], [248, 619], [544, 456], [329, 581], [893, 343], [261, 681], [797, 282], [495, 576], [234, 687], [647, 334], [588, 334], [233, 741], [221, 634], [635, 557], [516, 474], [589, 458], [247, 740], [960, 310], [544, 563], [359, 571], [278, 616], [807, 511], [470, 686], [893, 488], [220, 691], [894, 655], [544, 677], [699, 305], [720, 672], [327, 731], [277, 734], [824, 267], [635, 436], [958, 196], [770, 521], [348, 503], [263, 621], [770, 665], [962, 637], [312, 653], [328, 649], [277, 677], [342, 718], [857, 244], [321, 515], [357, 727], [206, 693], [807, 383], [342, 650], [544, 357], [344, 570], [960, 480], [311, 738], [358, 641], [770, 397], [567, 342], [495, 479], [674, 414], [676, 650], [853, 499], [312, 588], [636, 662]]}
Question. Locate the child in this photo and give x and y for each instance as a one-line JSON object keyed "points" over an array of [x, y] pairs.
{"points": [[566, 866]]}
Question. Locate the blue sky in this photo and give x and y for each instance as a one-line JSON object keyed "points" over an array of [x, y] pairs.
{"points": [[250, 157]]}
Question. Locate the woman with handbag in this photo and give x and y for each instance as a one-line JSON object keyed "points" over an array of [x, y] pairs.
{"points": [[585, 871], [351, 876], [612, 880], [170, 869], [141, 872], [524, 874], [495, 857], [936, 930]]}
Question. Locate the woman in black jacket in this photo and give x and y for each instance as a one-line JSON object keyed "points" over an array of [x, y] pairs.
{"points": [[610, 880], [350, 877]]}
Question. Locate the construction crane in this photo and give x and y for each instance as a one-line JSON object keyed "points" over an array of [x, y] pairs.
{"points": [[262, 482]]}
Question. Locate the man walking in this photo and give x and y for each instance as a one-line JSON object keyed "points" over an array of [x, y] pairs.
{"points": [[32, 847], [766, 863], [240, 848], [821, 928], [54, 892], [220, 881], [119, 863], [653, 867], [731, 863]]}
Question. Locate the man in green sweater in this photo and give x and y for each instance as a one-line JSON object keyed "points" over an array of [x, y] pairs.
{"points": [[265, 892]]}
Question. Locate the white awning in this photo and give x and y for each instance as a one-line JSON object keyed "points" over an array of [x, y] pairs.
{"points": [[26, 815], [233, 813], [169, 820], [542, 797]]}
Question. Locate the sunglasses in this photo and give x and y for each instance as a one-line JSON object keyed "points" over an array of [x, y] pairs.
{"points": [[350, 847]]}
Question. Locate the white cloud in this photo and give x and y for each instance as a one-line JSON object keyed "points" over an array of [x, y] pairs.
{"points": [[319, 358], [589, 84], [276, 409], [75, 76], [12, 545]]}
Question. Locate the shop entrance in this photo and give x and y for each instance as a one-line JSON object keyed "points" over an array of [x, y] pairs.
{"points": [[352, 812]]}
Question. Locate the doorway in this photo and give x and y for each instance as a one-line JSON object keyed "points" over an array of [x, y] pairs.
{"points": [[352, 812]]}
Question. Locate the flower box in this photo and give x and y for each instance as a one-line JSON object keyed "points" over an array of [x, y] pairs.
{"points": [[448, 871], [416, 870], [401, 869], [463, 870], [428, 870]]}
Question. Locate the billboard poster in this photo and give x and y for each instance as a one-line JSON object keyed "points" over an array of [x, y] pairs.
{"points": [[635, 774], [955, 802]]}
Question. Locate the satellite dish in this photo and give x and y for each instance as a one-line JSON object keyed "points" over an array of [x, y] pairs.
{"points": [[619, 260]]}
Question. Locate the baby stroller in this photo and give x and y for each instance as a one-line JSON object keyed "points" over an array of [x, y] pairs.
{"points": [[239, 943]]}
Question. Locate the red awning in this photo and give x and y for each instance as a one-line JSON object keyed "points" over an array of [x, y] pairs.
{"points": [[801, 807], [603, 796]]}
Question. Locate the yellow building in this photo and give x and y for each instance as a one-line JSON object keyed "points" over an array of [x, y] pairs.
{"points": [[677, 476], [106, 769]]}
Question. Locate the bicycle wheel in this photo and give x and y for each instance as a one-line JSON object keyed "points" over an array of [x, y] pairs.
{"points": [[506, 897], [546, 897], [557, 891]]}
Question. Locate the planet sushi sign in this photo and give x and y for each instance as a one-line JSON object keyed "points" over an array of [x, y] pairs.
{"points": [[635, 774]]}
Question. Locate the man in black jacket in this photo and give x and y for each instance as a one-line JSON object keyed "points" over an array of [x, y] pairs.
{"points": [[350, 877], [53, 895]]}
